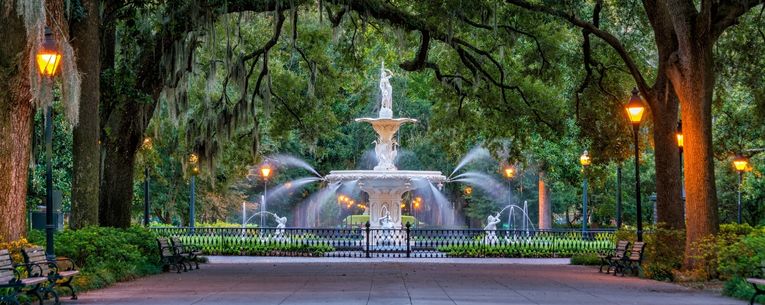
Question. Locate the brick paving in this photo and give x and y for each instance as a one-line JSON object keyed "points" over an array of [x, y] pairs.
{"points": [[395, 281]]}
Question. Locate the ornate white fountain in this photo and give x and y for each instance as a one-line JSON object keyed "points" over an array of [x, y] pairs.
{"points": [[385, 184]]}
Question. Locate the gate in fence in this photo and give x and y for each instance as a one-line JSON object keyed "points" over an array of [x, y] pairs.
{"points": [[404, 242]]}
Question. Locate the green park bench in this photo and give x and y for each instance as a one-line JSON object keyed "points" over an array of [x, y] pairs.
{"points": [[60, 272], [633, 261], [169, 256], [188, 253], [12, 283], [610, 259], [756, 284]]}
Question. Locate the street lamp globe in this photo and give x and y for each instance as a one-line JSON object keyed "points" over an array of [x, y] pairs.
{"points": [[265, 171], [740, 163], [635, 108], [509, 172], [679, 134], [584, 159], [48, 57]]}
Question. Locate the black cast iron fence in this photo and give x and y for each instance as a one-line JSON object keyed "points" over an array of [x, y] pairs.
{"points": [[404, 242]]}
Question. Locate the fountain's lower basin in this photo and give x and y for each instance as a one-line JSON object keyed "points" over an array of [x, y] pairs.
{"points": [[385, 189]]}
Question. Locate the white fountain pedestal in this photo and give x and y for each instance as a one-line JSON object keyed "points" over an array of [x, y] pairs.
{"points": [[385, 189]]}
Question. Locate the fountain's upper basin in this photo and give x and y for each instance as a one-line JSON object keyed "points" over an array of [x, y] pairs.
{"points": [[395, 175]]}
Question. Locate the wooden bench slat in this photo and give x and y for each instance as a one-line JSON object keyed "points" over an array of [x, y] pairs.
{"points": [[33, 280], [69, 273], [756, 281]]}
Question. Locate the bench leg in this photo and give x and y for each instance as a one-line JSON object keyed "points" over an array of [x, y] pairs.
{"points": [[757, 292], [11, 299], [68, 284], [35, 291]]}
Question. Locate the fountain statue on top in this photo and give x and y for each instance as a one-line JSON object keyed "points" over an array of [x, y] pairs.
{"points": [[386, 105], [385, 184], [386, 149]]}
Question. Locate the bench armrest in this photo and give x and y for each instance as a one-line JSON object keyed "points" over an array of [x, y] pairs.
{"points": [[69, 264]]}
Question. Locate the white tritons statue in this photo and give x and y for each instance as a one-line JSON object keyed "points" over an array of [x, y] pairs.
{"points": [[386, 106], [385, 221], [281, 223], [491, 228]]}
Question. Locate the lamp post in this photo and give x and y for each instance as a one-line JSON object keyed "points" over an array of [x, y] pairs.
{"points": [[48, 59], [265, 172], [509, 174], [193, 160], [147, 146], [635, 111], [584, 159], [740, 163], [680, 143]]}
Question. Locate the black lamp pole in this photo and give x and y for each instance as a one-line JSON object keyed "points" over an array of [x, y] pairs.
{"points": [[146, 196], [49, 225], [635, 131]]}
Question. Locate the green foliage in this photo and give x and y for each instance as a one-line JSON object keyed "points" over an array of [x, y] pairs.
{"points": [[537, 246], [663, 251], [106, 255], [741, 254], [305, 245], [588, 259]]}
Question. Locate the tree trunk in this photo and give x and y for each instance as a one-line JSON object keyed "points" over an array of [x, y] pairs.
{"points": [[117, 186], [693, 81], [669, 203], [85, 150], [15, 126], [545, 215]]}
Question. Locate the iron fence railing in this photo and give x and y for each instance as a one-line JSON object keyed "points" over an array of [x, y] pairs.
{"points": [[404, 242]]}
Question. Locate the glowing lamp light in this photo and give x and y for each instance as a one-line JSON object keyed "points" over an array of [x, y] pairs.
{"points": [[416, 204], [403, 205], [679, 134], [265, 170], [584, 159], [193, 158], [147, 144], [509, 172], [635, 108], [195, 170], [740, 163], [468, 190], [48, 57]]}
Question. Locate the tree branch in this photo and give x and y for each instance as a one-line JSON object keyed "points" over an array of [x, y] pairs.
{"points": [[605, 36]]}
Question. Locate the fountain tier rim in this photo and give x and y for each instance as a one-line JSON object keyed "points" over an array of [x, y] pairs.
{"points": [[433, 176], [396, 121]]}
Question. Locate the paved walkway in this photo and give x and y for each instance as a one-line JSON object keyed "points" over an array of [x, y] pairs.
{"points": [[276, 281]]}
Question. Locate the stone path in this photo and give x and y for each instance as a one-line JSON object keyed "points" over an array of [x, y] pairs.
{"points": [[292, 281]]}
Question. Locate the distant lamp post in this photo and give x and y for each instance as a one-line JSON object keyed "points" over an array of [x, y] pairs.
{"points": [[146, 147], [740, 163], [509, 172], [468, 190], [265, 172], [193, 162], [679, 136], [680, 143], [635, 111], [585, 161], [48, 60]]}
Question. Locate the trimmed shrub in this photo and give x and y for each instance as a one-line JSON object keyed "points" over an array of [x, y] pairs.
{"points": [[663, 251], [588, 259], [106, 255]]}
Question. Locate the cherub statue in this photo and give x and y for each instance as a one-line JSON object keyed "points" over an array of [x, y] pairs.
{"points": [[386, 88]]}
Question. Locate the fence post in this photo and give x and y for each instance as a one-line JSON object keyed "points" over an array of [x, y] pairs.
{"points": [[408, 240], [367, 233]]}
